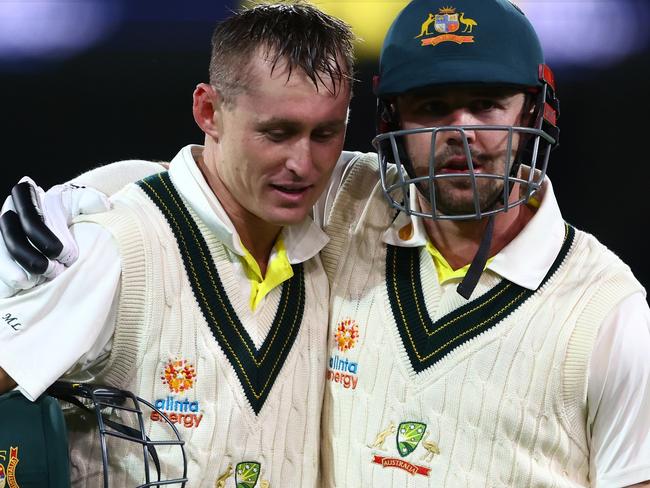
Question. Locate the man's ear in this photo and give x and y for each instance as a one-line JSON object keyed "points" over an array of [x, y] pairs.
{"points": [[207, 102], [528, 111]]}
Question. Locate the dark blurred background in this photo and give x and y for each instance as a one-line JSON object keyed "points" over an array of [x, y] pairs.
{"points": [[87, 82]]}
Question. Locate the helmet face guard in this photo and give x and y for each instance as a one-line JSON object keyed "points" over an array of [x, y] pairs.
{"points": [[534, 150], [108, 404]]}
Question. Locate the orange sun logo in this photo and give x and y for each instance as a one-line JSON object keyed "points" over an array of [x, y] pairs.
{"points": [[347, 333], [179, 375]]}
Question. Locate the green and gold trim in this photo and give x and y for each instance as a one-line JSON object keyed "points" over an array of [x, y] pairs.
{"points": [[427, 342], [256, 369]]}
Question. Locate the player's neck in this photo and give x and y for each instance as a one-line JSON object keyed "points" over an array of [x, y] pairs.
{"points": [[257, 235], [458, 241]]}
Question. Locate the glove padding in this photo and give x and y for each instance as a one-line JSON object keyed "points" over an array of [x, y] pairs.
{"points": [[36, 243]]}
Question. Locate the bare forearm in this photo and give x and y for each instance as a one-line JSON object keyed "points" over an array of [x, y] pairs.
{"points": [[6, 382]]}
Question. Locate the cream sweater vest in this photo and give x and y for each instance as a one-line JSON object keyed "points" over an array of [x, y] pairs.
{"points": [[476, 396], [165, 351]]}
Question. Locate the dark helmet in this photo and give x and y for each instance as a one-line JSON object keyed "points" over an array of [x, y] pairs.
{"points": [[34, 440], [466, 42]]}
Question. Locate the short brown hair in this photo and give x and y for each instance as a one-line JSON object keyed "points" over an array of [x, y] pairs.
{"points": [[298, 33]]}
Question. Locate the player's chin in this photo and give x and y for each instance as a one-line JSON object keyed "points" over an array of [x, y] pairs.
{"points": [[287, 215]]}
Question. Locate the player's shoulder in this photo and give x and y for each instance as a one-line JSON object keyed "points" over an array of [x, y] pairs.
{"points": [[360, 186], [362, 171], [604, 263], [110, 178], [356, 162]]}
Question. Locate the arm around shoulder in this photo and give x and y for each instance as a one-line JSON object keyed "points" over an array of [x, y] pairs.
{"points": [[112, 177]]}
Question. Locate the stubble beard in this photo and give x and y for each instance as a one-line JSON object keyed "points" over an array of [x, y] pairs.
{"points": [[455, 196]]}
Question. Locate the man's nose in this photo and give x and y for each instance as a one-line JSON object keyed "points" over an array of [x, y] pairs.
{"points": [[459, 118], [300, 160]]}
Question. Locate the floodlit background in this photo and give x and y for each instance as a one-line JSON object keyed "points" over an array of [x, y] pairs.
{"points": [[86, 82]]}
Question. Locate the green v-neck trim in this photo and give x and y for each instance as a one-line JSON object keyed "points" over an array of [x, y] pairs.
{"points": [[256, 369], [427, 342]]}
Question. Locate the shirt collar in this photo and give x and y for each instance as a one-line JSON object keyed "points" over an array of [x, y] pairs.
{"points": [[302, 241], [525, 260], [528, 257]]}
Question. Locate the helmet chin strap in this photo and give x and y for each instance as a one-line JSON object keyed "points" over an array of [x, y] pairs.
{"points": [[466, 287]]}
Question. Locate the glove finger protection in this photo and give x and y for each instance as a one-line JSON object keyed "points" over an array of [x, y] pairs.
{"points": [[35, 230], [27, 200], [57, 208], [27, 236], [13, 277]]}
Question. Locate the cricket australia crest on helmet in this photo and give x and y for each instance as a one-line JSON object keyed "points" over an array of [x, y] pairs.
{"points": [[445, 23]]}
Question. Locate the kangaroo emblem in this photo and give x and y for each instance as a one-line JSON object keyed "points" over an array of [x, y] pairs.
{"points": [[221, 480], [425, 26], [381, 437]]}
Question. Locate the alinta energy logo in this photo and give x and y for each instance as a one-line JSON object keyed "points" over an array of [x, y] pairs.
{"points": [[346, 335], [180, 376], [341, 370], [409, 437], [445, 23], [8, 463]]}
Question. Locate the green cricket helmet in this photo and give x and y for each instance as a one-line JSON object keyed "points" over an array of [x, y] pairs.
{"points": [[34, 439], [120, 416], [33, 443], [474, 43]]}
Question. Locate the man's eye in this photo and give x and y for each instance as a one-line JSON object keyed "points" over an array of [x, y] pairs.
{"points": [[276, 135], [434, 108], [323, 135], [482, 105]]}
